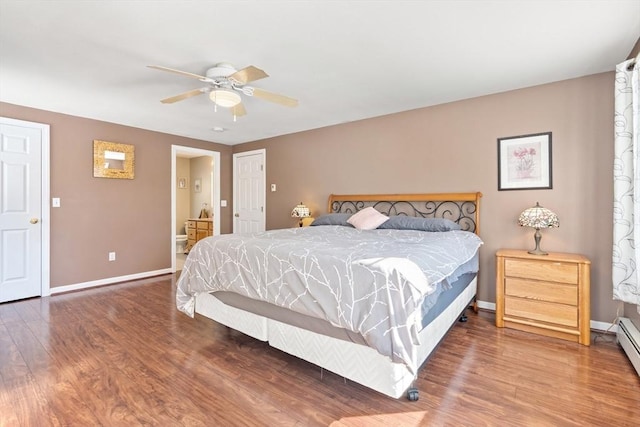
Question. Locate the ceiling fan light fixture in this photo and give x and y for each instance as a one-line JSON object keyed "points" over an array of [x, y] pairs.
{"points": [[225, 98]]}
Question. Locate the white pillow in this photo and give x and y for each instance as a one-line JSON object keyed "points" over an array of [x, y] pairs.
{"points": [[367, 219]]}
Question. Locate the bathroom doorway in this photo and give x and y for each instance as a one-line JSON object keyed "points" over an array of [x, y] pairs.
{"points": [[195, 185]]}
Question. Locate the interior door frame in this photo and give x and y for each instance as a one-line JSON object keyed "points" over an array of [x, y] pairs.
{"points": [[45, 188], [262, 151], [215, 191]]}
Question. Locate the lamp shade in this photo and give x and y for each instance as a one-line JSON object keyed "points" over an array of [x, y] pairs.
{"points": [[538, 217], [300, 211], [225, 98]]}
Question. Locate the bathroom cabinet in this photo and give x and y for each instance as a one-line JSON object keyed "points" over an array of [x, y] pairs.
{"points": [[198, 229]]}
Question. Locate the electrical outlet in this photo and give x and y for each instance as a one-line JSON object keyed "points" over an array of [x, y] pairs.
{"points": [[112, 256]]}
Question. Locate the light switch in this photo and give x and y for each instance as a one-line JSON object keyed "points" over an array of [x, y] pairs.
{"points": [[55, 202], [223, 203], [273, 187]]}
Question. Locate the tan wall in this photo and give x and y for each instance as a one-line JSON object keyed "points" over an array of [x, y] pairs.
{"points": [[452, 148], [633, 312], [98, 215], [201, 168], [183, 195]]}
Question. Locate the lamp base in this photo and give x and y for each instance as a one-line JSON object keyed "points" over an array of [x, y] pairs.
{"points": [[538, 252]]}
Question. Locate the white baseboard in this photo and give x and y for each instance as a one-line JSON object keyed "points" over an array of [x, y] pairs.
{"points": [[109, 281], [595, 325], [604, 326], [486, 305]]}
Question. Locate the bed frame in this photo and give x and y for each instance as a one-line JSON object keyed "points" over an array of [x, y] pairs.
{"points": [[357, 362], [461, 208]]}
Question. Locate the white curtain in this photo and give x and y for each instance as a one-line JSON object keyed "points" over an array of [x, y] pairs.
{"points": [[626, 184]]}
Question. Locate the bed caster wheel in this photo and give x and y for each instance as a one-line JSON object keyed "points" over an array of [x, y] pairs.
{"points": [[413, 394], [463, 318]]}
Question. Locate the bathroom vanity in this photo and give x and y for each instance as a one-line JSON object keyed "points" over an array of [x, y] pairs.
{"points": [[198, 229]]}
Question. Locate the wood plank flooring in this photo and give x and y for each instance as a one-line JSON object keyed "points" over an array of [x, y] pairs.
{"points": [[123, 355]]}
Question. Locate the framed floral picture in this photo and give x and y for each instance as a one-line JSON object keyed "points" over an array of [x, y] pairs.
{"points": [[524, 162]]}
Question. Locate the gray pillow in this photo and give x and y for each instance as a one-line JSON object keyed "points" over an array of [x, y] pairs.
{"points": [[403, 222], [333, 219]]}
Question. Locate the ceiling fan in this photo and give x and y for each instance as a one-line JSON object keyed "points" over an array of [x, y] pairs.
{"points": [[223, 82]]}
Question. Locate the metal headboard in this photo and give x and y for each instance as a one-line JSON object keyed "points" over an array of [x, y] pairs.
{"points": [[461, 208]]}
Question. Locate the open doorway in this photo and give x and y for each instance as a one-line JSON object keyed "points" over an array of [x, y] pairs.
{"points": [[195, 185]]}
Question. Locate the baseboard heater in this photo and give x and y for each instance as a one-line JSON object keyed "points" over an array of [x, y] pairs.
{"points": [[629, 340]]}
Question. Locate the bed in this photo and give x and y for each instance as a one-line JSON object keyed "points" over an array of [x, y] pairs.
{"points": [[367, 304]]}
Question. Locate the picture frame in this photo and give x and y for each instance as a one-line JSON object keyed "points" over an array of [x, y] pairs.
{"points": [[524, 162], [113, 160], [197, 185], [183, 184]]}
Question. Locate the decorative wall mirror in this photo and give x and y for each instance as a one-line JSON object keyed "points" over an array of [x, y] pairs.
{"points": [[112, 160]]}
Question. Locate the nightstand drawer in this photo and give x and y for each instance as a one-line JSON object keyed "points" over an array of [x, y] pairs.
{"points": [[542, 291], [559, 314], [542, 270], [191, 224], [191, 233], [202, 225]]}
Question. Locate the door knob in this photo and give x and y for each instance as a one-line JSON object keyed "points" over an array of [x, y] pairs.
{"points": [[34, 220], [237, 215]]}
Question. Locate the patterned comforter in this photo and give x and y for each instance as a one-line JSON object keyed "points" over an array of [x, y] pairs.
{"points": [[370, 282]]}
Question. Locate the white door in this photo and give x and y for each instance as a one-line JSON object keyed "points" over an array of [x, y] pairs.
{"points": [[249, 191], [21, 213]]}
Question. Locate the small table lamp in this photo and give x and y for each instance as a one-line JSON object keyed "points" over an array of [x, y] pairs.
{"points": [[538, 217], [300, 211]]}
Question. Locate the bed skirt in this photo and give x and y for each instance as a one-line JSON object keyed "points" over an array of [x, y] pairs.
{"points": [[356, 362]]}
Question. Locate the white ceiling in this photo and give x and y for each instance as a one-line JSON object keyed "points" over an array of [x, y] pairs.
{"points": [[343, 60]]}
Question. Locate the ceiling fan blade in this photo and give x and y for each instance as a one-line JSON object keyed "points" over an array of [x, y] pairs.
{"points": [[238, 110], [248, 74], [183, 73], [182, 96], [274, 97]]}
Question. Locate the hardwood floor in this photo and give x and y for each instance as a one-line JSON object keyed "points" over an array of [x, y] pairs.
{"points": [[123, 355]]}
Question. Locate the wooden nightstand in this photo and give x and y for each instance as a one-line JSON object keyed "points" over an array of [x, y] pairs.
{"points": [[544, 294]]}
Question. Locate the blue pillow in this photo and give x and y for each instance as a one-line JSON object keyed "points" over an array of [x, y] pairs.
{"points": [[403, 222], [333, 219]]}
